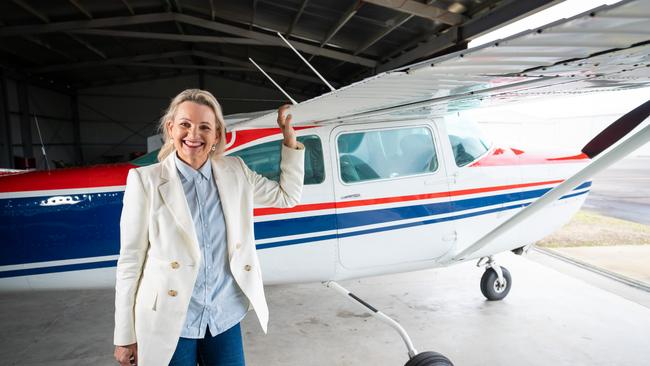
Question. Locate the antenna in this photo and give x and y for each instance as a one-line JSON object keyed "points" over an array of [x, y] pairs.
{"points": [[307, 62], [47, 163], [273, 81]]}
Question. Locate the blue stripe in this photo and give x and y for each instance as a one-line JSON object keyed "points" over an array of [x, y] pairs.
{"points": [[55, 269], [400, 226], [112, 263], [306, 225], [38, 233], [35, 233]]}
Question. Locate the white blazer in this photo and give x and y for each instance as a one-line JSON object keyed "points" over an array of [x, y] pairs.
{"points": [[160, 255]]}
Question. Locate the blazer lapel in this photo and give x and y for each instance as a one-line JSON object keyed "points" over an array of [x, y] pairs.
{"points": [[223, 177], [171, 191]]}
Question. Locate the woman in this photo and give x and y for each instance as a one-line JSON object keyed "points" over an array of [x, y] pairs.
{"points": [[188, 271]]}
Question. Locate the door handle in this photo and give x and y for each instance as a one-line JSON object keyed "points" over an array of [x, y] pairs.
{"points": [[354, 195]]}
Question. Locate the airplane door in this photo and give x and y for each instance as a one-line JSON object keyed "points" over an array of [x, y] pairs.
{"points": [[483, 194], [391, 194]]}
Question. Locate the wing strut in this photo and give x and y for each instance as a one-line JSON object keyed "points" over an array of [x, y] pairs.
{"points": [[307, 62], [273, 81], [601, 142]]}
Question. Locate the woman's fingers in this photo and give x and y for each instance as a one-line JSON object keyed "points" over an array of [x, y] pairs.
{"points": [[135, 354], [282, 115], [287, 121], [127, 355]]}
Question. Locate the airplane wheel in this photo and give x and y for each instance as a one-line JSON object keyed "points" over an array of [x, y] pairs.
{"points": [[429, 359], [491, 288]]}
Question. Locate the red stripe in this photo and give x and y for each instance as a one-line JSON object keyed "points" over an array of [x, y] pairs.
{"points": [[245, 136], [510, 156], [383, 200], [69, 178]]}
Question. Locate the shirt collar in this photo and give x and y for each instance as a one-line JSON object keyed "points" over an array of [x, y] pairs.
{"points": [[190, 173]]}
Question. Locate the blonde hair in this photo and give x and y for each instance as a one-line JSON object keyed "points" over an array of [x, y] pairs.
{"points": [[198, 96]]}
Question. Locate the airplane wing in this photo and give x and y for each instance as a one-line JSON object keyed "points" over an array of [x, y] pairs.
{"points": [[607, 48]]}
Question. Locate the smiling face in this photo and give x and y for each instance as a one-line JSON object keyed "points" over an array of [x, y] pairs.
{"points": [[193, 132]]}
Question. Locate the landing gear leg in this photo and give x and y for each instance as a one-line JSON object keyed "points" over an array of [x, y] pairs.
{"points": [[496, 280], [415, 358]]}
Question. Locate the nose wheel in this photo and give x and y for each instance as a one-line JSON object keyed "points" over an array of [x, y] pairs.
{"points": [[496, 280], [429, 359]]}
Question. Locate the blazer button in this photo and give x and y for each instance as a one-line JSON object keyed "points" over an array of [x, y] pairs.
{"points": [[175, 265], [172, 293], [238, 246], [247, 267]]}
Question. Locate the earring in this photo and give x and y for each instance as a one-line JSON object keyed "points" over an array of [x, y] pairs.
{"points": [[214, 147], [171, 141]]}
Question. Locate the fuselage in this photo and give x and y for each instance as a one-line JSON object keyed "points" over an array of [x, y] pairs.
{"points": [[378, 198]]}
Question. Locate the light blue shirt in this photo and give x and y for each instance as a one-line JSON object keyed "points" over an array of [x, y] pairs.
{"points": [[217, 301]]}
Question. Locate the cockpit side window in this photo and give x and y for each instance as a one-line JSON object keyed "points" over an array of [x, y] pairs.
{"points": [[265, 158], [467, 141], [384, 154]]}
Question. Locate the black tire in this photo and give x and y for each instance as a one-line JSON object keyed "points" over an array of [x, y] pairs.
{"points": [[489, 286], [429, 359]]}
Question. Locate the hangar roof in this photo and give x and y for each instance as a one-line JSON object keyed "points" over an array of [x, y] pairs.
{"points": [[76, 44]]}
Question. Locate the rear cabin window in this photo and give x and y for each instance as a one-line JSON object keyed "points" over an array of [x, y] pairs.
{"points": [[265, 159], [467, 141], [382, 154]]}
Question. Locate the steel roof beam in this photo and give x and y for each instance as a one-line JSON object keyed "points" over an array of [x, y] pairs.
{"points": [[187, 19], [213, 11], [48, 46], [170, 37], [128, 6], [20, 30], [184, 66], [138, 59], [84, 64], [87, 45], [272, 39], [421, 10], [272, 70], [77, 5], [433, 45], [352, 10], [31, 10], [506, 12], [252, 23], [297, 17]]}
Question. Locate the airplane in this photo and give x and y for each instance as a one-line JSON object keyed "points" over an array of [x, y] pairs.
{"points": [[394, 180]]}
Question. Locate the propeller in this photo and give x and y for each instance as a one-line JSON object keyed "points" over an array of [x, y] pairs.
{"points": [[603, 141], [617, 130]]}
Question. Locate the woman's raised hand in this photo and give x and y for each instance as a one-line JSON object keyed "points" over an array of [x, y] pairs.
{"points": [[284, 122], [127, 355]]}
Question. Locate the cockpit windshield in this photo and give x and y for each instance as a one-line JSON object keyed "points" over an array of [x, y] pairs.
{"points": [[467, 140]]}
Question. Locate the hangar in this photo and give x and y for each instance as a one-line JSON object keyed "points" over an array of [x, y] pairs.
{"points": [[96, 74], [85, 82]]}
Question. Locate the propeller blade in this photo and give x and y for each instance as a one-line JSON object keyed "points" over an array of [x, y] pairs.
{"points": [[617, 130]]}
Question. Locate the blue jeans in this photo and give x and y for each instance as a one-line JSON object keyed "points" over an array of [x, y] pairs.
{"points": [[224, 349]]}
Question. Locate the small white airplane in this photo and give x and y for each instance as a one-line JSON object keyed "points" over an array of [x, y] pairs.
{"points": [[394, 181]]}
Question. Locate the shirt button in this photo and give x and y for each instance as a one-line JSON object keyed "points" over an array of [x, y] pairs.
{"points": [[238, 246], [247, 267], [175, 265], [172, 293]]}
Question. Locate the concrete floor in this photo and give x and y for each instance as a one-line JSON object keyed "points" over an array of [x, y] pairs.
{"points": [[623, 190], [549, 318]]}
